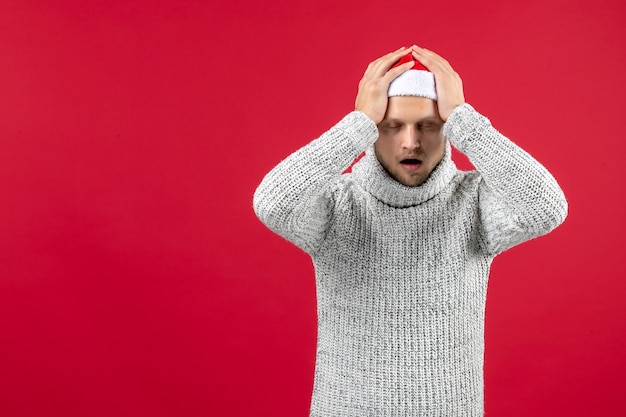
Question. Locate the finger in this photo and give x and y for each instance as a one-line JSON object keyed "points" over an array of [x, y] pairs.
{"points": [[377, 61], [390, 55], [431, 60], [400, 51], [435, 66], [426, 52], [382, 64], [393, 73]]}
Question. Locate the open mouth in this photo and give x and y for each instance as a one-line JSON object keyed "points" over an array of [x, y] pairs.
{"points": [[411, 164]]}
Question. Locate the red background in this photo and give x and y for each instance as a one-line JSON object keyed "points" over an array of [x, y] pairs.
{"points": [[135, 278]]}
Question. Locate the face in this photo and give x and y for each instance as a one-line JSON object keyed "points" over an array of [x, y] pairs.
{"points": [[410, 142]]}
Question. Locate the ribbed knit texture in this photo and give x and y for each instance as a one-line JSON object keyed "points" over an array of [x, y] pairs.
{"points": [[402, 272]]}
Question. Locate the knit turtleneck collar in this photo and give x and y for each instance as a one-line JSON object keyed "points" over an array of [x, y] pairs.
{"points": [[371, 176]]}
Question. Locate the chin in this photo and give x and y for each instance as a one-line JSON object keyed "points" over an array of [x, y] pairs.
{"points": [[417, 184]]}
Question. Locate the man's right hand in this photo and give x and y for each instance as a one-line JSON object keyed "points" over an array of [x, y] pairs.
{"points": [[373, 87]]}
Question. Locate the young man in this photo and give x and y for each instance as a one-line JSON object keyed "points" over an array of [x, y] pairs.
{"points": [[402, 245]]}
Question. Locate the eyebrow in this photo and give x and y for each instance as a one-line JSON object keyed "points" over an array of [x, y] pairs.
{"points": [[425, 119]]}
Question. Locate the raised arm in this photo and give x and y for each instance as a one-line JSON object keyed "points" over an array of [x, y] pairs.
{"points": [[295, 198], [519, 198]]}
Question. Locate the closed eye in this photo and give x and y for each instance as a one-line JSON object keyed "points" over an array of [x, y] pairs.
{"points": [[392, 126], [428, 126]]}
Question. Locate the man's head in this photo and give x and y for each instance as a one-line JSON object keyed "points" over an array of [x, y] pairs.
{"points": [[410, 140], [410, 144]]}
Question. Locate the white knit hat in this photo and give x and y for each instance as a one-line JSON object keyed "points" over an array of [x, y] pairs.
{"points": [[417, 81]]}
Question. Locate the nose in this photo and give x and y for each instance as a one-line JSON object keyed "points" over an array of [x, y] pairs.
{"points": [[410, 137]]}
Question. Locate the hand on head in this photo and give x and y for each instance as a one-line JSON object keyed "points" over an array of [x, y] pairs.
{"points": [[448, 83], [372, 95]]}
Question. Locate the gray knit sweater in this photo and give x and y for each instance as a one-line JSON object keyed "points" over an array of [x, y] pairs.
{"points": [[401, 272]]}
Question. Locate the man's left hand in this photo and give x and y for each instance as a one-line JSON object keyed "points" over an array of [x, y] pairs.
{"points": [[448, 83]]}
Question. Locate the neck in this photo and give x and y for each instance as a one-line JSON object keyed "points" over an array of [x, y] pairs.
{"points": [[371, 175]]}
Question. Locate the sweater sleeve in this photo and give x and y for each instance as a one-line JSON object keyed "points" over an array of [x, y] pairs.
{"points": [[518, 198], [294, 198]]}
